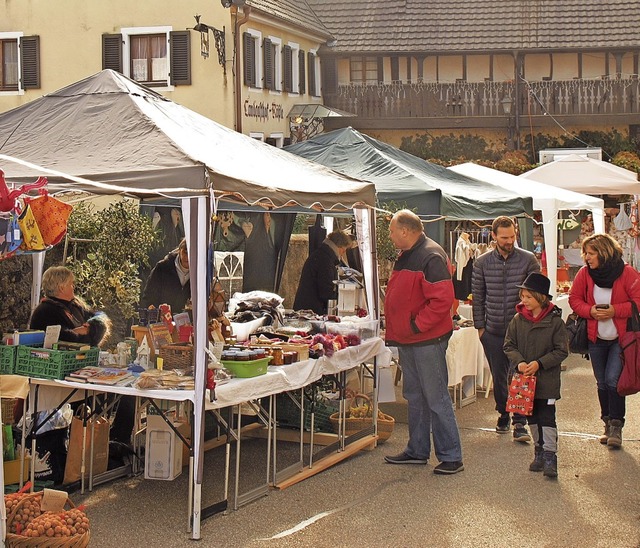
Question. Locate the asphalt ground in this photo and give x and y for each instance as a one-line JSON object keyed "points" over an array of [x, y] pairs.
{"points": [[362, 501]]}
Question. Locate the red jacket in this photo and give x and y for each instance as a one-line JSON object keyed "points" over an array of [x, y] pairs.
{"points": [[419, 296], [625, 289]]}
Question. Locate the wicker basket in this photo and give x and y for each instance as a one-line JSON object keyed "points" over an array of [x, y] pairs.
{"points": [[177, 356], [8, 406], [19, 541], [353, 425]]}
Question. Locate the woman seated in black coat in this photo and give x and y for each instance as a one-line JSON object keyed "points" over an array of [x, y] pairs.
{"points": [[60, 306], [78, 323]]}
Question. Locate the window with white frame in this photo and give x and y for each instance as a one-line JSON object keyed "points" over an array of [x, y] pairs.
{"points": [[146, 55], [290, 68], [154, 56], [314, 73], [272, 51], [19, 62], [252, 53]]}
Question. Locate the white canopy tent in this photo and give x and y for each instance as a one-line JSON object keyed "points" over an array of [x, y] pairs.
{"points": [[587, 175], [546, 198], [110, 135]]}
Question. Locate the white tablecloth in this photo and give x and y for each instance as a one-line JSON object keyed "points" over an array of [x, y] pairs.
{"points": [[465, 356], [278, 379], [297, 375]]}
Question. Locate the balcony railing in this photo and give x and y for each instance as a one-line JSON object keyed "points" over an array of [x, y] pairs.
{"points": [[577, 97]]}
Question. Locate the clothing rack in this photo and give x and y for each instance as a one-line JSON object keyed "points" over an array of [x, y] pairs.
{"points": [[476, 236]]}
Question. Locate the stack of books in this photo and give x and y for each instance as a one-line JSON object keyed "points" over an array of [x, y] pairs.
{"points": [[102, 375]]}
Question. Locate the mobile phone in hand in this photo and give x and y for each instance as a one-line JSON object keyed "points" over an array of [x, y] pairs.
{"points": [[602, 306]]}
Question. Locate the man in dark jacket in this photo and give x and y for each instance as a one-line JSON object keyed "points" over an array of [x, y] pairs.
{"points": [[319, 273], [418, 322], [496, 277], [168, 282]]}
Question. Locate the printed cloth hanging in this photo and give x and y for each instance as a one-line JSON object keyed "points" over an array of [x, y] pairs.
{"points": [[52, 216], [31, 236]]}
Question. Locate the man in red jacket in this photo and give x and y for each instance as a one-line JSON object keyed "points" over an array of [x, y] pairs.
{"points": [[418, 321]]}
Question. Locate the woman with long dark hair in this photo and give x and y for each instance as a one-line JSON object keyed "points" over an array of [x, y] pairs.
{"points": [[602, 292]]}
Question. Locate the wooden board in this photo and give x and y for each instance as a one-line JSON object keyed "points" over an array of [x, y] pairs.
{"points": [[329, 460]]}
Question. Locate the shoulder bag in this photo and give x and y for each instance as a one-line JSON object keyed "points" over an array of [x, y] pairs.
{"points": [[577, 334], [629, 381]]}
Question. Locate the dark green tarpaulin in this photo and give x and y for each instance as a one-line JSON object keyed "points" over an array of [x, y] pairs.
{"points": [[429, 189]]}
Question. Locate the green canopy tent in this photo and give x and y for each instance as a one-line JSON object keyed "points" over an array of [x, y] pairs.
{"points": [[434, 192]]}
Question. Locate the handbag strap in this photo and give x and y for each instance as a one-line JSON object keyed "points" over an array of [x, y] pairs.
{"points": [[634, 320]]}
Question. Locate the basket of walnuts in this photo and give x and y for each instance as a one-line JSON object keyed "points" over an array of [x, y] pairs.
{"points": [[29, 526]]}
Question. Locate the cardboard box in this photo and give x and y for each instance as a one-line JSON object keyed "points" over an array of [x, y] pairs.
{"points": [[12, 471], [163, 453]]}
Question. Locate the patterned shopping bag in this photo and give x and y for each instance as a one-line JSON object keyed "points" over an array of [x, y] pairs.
{"points": [[521, 393]]}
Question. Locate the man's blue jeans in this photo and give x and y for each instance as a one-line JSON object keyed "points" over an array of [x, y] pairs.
{"points": [[424, 386]]}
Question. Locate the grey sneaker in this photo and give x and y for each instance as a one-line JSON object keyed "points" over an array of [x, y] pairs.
{"points": [[520, 433], [403, 458], [449, 467]]}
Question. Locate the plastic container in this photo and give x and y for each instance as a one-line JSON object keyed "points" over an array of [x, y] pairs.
{"points": [[7, 359], [365, 329], [247, 369], [53, 364]]}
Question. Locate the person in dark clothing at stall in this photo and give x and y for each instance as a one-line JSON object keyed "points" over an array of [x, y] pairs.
{"points": [[319, 272], [78, 323], [168, 282]]}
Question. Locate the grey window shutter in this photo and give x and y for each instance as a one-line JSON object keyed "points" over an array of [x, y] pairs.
{"points": [[112, 52], [30, 61], [287, 58], [329, 76], [249, 59], [313, 88], [268, 64], [302, 73], [380, 69], [180, 41]]}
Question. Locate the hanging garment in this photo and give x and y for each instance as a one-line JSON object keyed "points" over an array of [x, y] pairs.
{"points": [[462, 254], [622, 220]]}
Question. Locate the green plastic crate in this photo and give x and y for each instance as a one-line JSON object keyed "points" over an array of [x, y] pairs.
{"points": [[7, 359], [53, 364]]}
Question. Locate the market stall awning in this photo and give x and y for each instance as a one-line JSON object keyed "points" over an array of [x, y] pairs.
{"points": [[110, 129]]}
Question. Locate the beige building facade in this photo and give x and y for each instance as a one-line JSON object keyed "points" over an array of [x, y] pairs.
{"points": [[244, 64], [507, 70]]}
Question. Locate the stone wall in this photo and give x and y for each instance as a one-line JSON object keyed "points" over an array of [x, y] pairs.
{"points": [[297, 255]]}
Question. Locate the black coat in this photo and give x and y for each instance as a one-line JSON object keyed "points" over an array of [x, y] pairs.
{"points": [[163, 286], [69, 315], [316, 285]]}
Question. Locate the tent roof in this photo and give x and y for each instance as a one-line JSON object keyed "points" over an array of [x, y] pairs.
{"points": [[402, 177], [543, 195], [110, 129], [586, 175]]}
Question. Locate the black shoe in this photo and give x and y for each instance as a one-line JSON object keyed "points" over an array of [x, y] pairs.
{"points": [[452, 467], [520, 433], [504, 425], [403, 458]]}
